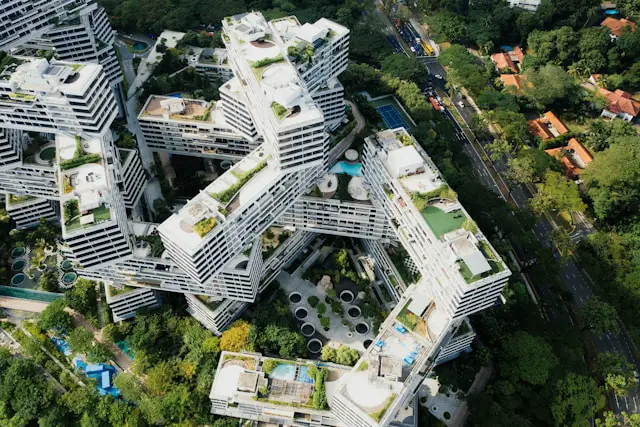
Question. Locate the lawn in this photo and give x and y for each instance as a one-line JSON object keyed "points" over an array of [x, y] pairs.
{"points": [[442, 222]]}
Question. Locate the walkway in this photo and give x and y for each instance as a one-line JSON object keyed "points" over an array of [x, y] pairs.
{"points": [[23, 304], [121, 359]]}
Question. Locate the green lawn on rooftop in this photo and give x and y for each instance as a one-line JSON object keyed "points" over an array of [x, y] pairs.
{"points": [[442, 222]]}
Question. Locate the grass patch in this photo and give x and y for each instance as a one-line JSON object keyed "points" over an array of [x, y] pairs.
{"points": [[442, 222], [380, 413], [204, 226]]}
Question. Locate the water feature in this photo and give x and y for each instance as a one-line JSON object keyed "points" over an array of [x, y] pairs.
{"points": [[308, 329], [18, 279], [362, 328], [18, 265], [347, 296], [354, 312], [314, 345], [69, 278], [303, 376], [284, 371], [16, 252], [301, 313], [66, 265], [295, 297], [352, 169]]}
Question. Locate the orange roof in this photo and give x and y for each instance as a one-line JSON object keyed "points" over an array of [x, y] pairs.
{"points": [[620, 102], [516, 80], [616, 25], [537, 127], [517, 52], [573, 157], [503, 61], [556, 122]]}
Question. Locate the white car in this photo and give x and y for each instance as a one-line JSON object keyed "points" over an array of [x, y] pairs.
{"points": [[438, 76]]}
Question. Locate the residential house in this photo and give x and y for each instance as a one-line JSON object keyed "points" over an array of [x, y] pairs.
{"points": [[615, 26], [574, 157], [513, 80], [548, 126], [508, 60], [619, 104]]}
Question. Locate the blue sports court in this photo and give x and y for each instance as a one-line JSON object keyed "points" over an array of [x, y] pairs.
{"points": [[391, 116]]}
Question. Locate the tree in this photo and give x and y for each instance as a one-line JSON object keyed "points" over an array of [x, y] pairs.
{"points": [[403, 67], [80, 340], [551, 86], [99, 353], [49, 281], [82, 297], [556, 193], [160, 378], [347, 356], [600, 316], [527, 358], [611, 419], [236, 338], [54, 316], [562, 241], [449, 25], [211, 346], [576, 400], [26, 393], [322, 308], [530, 166], [617, 372], [129, 386], [328, 354], [494, 100]]}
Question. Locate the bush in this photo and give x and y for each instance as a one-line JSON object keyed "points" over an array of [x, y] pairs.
{"points": [[269, 365], [266, 61], [204, 226], [326, 323], [322, 308], [313, 301]]}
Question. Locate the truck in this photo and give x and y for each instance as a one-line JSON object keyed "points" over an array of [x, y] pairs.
{"points": [[434, 103], [427, 47]]}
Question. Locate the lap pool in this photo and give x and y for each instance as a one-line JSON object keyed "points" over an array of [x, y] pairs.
{"points": [[353, 169]]}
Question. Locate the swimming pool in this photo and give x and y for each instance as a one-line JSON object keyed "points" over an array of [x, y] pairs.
{"points": [[284, 372], [353, 169], [303, 375]]}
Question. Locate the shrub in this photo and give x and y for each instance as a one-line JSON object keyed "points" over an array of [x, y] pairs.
{"points": [[269, 365], [313, 301], [204, 226], [266, 61], [279, 110], [322, 308], [326, 323], [319, 395]]}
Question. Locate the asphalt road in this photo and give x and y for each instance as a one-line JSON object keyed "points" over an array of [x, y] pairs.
{"points": [[573, 277]]}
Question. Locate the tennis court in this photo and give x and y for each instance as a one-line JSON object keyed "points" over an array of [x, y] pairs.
{"points": [[391, 117]]}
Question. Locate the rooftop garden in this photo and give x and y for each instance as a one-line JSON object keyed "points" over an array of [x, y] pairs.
{"points": [[496, 267], [420, 200], [442, 222], [301, 56], [113, 291], [21, 96], [279, 110], [380, 413], [407, 318], [72, 215], [404, 139], [79, 157], [157, 248], [225, 196], [271, 239], [261, 65], [211, 305], [204, 226], [15, 199], [123, 156]]}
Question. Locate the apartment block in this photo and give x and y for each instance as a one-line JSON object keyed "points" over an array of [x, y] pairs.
{"points": [[124, 301], [27, 211]]}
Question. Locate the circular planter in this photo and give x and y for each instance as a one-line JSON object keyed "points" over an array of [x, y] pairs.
{"points": [[42, 267], [17, 265], [18, 279], [17, 252], [66, 265], [226, 164], [314, 346], [354, 312], [362, 328], [69, 278], [347, 296], [349, 334], [367, 343], [301, 313], [308, 329], [295, 297]]}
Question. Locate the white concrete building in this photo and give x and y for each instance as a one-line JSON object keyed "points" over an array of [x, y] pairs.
{"points": [[27, 211], [124, 301], [530, 5]]}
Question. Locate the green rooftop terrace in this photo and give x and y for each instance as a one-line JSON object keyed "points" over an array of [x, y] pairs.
{"points": [[442, 222]]}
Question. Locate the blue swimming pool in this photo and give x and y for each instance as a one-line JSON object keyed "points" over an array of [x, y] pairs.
{"points": [[284, 372], [353, 169], [303, 375]]}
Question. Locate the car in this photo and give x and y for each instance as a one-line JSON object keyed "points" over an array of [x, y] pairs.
{"points": [[461, 104], [438, 76]]}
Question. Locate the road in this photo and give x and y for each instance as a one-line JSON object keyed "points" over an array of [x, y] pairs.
{"points": [[574, 278]]}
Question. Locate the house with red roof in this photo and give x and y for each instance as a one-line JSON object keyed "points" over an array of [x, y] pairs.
{"points": [[514, 80], [619, 104], [615, 26], [508, 61], [574, 157], [548, 126]]}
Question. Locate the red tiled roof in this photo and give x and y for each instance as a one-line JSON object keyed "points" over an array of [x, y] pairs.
{"points": [[556, 122], [571, 167], [616, 25], [503, 61], [620, 102], [516, 80]]}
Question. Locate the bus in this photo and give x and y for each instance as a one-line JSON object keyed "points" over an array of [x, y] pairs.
{"points": [[427, 47]]}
